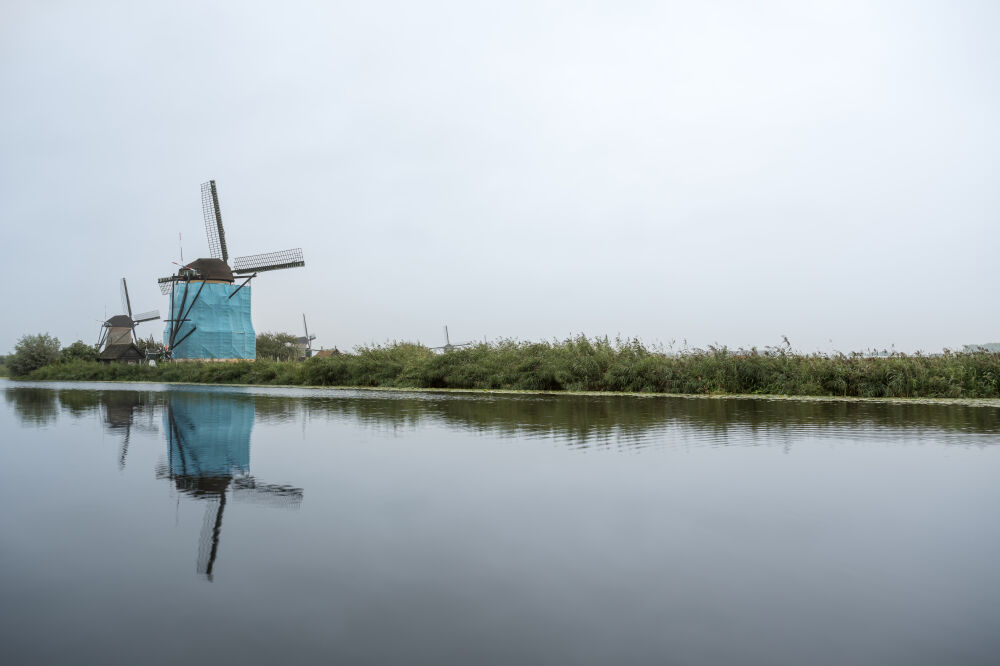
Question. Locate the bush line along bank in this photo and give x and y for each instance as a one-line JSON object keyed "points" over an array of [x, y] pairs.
{"points": [[582, 364]]}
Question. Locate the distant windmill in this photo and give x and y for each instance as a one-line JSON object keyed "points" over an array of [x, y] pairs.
{"points": [[117, 341], [305, 343], [209, 313], [448, 346]]}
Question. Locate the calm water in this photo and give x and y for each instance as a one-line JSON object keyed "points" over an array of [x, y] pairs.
{"points": [[145, 524]]}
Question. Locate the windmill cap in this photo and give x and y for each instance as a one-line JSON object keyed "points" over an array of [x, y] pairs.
{"points": [[119, 320], [212, 269]]}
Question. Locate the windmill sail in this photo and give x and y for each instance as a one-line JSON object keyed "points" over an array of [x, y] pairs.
{"points": [[213, 221], [166, 284], [126, 303], [269, 261]]}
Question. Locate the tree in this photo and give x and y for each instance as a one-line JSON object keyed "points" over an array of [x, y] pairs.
{"points": [[279, 346], [78, 351], [33, 352], [150, 347]]}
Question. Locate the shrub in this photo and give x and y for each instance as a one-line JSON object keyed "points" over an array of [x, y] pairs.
{"points": [[277, 347], [79, 351], [33, 352], [591, 365]]}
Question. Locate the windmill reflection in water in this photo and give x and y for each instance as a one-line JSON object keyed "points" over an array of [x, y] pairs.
{"points": [[208, 458], [125, 411]]}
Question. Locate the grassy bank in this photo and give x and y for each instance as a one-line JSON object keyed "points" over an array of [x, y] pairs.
{"points": [[589, 365]]}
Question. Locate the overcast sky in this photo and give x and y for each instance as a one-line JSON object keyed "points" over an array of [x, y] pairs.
{"points": [[716, 172]]}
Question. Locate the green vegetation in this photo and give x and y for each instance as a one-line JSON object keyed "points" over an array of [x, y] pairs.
{"points": [[277, 347], [33, 352], [582, 364], [79, 351]]}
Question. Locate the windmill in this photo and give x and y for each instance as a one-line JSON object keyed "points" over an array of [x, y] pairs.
{"points": [[117, 341], [305, 343], [448, 346], [209, 312]]}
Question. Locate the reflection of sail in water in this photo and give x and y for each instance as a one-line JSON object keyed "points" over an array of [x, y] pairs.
{"points": [[208, 457]]}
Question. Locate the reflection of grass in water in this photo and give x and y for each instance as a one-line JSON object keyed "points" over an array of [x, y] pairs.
{"points": [[36, 406], [582, 364], [573, 417], [601, 418]]}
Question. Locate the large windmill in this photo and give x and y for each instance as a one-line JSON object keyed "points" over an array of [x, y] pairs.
{"points": [[117, 341], [209, 312]]}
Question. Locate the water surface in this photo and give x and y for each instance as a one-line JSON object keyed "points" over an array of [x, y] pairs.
{"points": [[184, 525]]}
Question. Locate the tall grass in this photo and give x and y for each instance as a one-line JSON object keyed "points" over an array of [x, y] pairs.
{"points": [[586, 364]]}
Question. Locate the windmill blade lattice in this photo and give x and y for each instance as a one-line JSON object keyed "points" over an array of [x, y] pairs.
{"points": [[213, 221], [166, 284], [269, 261]]}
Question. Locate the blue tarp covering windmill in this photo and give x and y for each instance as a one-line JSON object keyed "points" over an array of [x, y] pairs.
{"points": [[209, 311]]}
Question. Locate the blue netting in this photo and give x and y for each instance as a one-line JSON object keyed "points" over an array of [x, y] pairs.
{"points": [[222, 326], [208, 434]]}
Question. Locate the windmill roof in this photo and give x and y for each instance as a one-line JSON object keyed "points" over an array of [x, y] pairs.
{"points": [[212, 269], [119, 321]]}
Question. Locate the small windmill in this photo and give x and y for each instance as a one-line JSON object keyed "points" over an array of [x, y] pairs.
{"points": [[305, 343], [448, 346], [209, 313], [117, 340]]}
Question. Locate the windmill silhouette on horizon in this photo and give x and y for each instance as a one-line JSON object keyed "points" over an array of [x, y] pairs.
{"points": [[448, 346]]}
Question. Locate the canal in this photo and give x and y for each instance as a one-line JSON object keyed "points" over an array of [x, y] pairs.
{"points": [[185, 524]]}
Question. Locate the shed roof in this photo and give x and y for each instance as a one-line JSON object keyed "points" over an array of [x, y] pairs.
{"points": [[121, 352]]}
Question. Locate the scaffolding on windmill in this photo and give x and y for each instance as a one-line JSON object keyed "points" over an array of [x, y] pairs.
{"points": [[117, 341], [210, 315]]}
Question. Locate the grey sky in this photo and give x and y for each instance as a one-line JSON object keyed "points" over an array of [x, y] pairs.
{"points": [[720, 172]]}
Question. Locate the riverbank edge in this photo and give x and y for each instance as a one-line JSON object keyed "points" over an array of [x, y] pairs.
{"points": [[969, 402]]}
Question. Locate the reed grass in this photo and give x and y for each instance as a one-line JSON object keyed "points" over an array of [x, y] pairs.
{"points": [[587, 364]]}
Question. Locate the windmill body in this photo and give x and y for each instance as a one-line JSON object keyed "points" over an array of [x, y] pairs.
{"points": [[210, 313]]}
